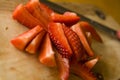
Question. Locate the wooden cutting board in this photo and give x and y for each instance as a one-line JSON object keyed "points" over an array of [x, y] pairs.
{"points": [[17, 65]]}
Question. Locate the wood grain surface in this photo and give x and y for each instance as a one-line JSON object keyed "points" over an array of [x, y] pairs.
{"points": [[17, 65]]}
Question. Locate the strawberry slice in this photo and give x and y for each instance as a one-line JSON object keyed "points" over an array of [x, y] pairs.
{"points": [[70, 13], [45, 8], [34, 44], [33, 6], [63, 66], [84, 57], [47, 55], [74, 42], [59, 39], [83, 38], [91, 63], [24, 17], [82, 71], [87, 27], [89, 37], [68, 18], [22, 40]]}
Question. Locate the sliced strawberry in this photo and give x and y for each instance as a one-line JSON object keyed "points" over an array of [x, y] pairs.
{"points": [[87, 27], [33, 6], [83, 38], [82, 71], [74, 42], [45, 8], [84, 57], [46, 54], [59, 39], [118, 34], [22, 40], [89, 37], [63, 66], [70, 13], [91, 63], [25, 18], [34, 44], [69, 19]]}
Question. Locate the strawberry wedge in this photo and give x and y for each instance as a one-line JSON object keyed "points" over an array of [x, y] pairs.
{"points": [[83, 38], [33, 6], [63, 66], [46, 53], [24, 17], [22, 40], [35, 43], [87, 27], [89, 37], [45, 8], [59, 39], [82, 71], [68, 18], [91, 63], [74, 42]]}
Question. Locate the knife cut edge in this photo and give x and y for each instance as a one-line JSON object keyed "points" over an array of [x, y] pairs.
{"points": [[61, 9]]}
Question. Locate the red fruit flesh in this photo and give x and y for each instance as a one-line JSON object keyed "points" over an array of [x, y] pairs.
{"points": [[35, 43], [33, 6], [70, 13], [22, 40], [72, 46], [74, 42], [83, 38], [89, 37], [63, 66], [59, 39], [87, 27], [46, 54], [66, 19], [91, 63], [118, 34], [45, 8], [84, 57], [82, 71], [24, 17]]}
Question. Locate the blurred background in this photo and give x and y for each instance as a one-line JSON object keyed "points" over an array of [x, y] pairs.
{"points": [[110, 7]]}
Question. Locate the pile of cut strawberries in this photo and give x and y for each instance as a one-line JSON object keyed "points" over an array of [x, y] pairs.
{"points": [[61, 40]]}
